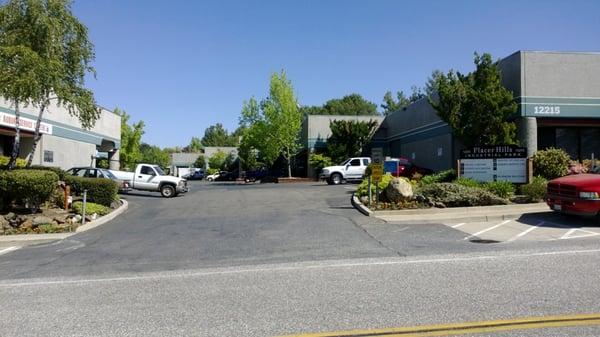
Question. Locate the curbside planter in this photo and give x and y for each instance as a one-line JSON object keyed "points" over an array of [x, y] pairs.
{"points": [[359, 206], [61, 236]]}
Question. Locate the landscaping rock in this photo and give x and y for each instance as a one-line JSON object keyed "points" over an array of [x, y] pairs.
{"points": [[62, 218], [4, 223], [76, 219], [10, 216], [399, 189], [28, 223], [41, 220], [438, 204]]}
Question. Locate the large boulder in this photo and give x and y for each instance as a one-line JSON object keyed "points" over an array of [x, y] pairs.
{"points": [[41, 220], [399, 189]]}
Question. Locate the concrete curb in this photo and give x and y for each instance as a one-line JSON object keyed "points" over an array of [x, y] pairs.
{"points": [[62, 236], [359, 206], [463, 214], [104, 219]]}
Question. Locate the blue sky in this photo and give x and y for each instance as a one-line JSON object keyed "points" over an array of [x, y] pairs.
{"points": [[183, 65]]}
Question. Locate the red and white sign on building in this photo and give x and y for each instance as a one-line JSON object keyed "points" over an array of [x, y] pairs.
{"points": [[25, 123]]}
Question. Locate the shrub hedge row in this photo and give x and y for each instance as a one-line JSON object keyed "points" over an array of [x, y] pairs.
{"points": [[32, 187], [99, 190]]}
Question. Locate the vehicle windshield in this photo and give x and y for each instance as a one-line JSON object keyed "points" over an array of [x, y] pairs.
{"points": [[159, 170], [108, 174], [345, 162]]}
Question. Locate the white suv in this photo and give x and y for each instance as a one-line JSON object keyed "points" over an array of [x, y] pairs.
{"points": [[350, 169]]}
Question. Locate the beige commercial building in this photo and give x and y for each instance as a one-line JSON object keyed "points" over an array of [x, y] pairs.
{"points": [[64, 143]]}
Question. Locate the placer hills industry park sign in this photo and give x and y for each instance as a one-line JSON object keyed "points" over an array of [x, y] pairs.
{"points": [[494, 163]]}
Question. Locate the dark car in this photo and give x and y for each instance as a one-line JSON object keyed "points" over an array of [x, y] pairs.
{"points": [[227, 176], [256, 175], [93, 172], [196, 175]]}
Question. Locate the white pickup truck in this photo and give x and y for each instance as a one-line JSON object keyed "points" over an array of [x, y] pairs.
{"points": [[148, 177], [350, 169]]}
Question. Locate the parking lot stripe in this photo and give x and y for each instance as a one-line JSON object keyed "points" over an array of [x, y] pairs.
{"points": [[568, 235], [486, 230], [523, 233], [458, 225], [8, 249]]}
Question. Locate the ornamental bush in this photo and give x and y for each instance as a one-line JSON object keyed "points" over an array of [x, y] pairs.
{"points": [[536, 189], [551, 163], [90, 208], [467, 182], [318, 162], [30, 187], [363, 187], [502, 188], [440, 177], [99, 190], [455, 195]]}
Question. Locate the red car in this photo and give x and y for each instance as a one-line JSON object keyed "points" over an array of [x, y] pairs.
{"points": [[577, 194]]}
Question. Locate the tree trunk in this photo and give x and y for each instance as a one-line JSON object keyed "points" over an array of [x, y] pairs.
{"points": [[17, 143], [37, 136], [289, 164]]}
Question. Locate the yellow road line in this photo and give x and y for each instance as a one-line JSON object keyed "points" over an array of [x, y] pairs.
{"points": [[469, 327]]}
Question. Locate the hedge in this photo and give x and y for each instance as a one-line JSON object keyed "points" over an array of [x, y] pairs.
{"points": [[60, 172], [33, 187], [99, 190], [440, 177]]}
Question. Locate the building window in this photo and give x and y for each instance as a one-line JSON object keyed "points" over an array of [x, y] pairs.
{"points": [[48, 156]]}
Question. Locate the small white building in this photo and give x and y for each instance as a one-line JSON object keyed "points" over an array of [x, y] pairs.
{"points": [[64, 143]]}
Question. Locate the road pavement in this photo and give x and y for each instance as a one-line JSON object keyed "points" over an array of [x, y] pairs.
{"points": [[277, 259]]}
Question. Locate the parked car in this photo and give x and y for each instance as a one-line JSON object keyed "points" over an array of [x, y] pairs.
{"points": [[577, 194], [402, 167], [227, 176], [255, 175], [196, 175], [212, 177], [350, 169], [93, 172]]}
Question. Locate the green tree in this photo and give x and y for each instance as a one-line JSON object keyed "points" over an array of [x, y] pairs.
{"points": [[312, 110], [195, 146], [217, 160], [45, 54], [476, 106], [217, 135], [348, 138], [154, 155], [282, 117], [391, 105], [272, 128], [131, 135], [353, 104], [200, 161]]}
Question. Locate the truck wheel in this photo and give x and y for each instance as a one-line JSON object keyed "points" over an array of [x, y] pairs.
{"points": [[336, 179], [167, 191]]}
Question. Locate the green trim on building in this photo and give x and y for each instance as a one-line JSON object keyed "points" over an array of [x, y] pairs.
{"points": [[70, 132], [559, 107]]}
